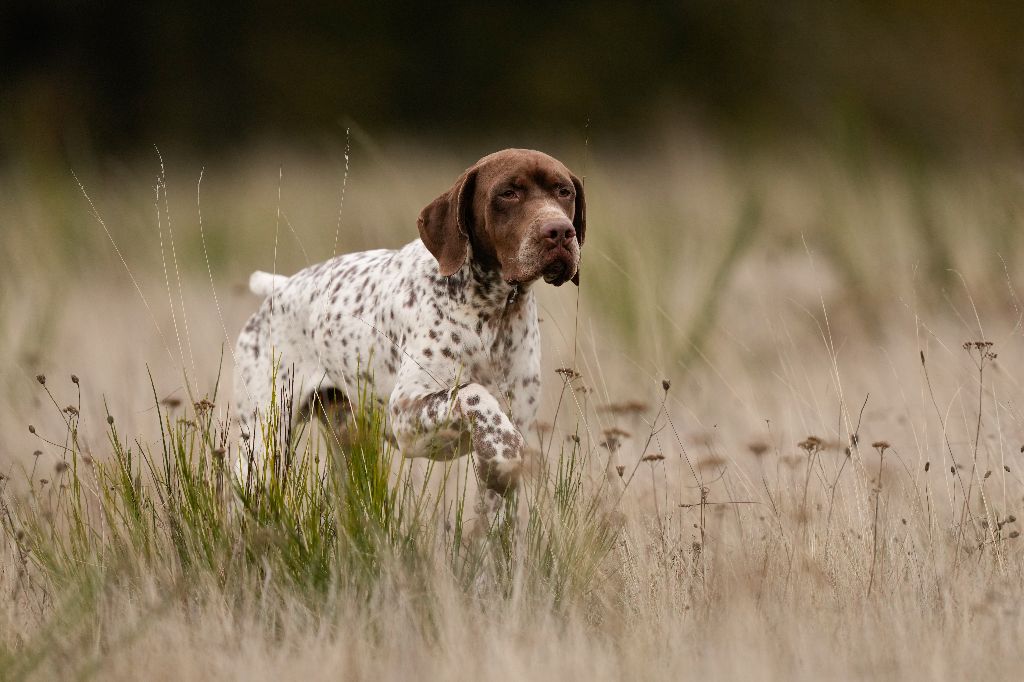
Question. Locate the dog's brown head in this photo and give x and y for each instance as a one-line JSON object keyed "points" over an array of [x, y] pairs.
{"points": [[519, 211]]}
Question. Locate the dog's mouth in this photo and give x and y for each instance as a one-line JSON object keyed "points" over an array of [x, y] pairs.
{"points": [[555, 271], [559, 269], [557, 266]]}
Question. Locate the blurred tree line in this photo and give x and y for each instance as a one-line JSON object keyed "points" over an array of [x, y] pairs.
{"points": [[929, 76]]}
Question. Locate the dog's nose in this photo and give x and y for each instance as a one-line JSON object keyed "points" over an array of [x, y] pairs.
{"points": [[560, 231]]}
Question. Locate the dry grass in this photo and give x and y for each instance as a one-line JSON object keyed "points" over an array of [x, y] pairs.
{"points": [[828, 488]]}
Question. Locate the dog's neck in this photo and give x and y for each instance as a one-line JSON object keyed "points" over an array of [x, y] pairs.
{"points": [[484, 288]]}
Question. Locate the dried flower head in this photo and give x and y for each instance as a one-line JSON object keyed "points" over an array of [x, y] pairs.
{"points": [[171, 402], [110, 419], [72, 410], [654, 457], [665, 385], [74, 379], [31, 429], [568, 373], [60, 467], [881, 445], [711, 462], [758, 448], [628, 407], [810, 444], [616, 432], [41, 378], [619, 469], [203, 405]]}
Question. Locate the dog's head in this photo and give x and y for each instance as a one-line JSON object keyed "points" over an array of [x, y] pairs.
{"points": [[517, 211]]}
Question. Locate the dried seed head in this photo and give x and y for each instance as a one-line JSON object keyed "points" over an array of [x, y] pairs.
{"points": [[72, 410], [810, 444], [666, 384], [41, 378], [37, 453], [711, 462], [854, 439], [988, 473], [74, 379], [611, 443], [60, 467], [881, 445], [656, 457], [619, 469], [1007, 468], [44, 481], [927, 465], [616, 432], [952, 469], [568, 372], [110, 419], [1014, 533], [203, 405], [628, 407], [31, 429], [758, 448], [171, 402], [218, 453]]}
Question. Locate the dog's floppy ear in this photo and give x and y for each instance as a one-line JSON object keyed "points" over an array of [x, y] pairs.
{"points": [[579, 218], [445, 222]]}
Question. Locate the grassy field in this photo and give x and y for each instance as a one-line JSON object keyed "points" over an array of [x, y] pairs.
{"points": [[791, 446]]}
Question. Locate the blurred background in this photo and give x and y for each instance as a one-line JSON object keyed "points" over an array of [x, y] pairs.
{"points": [[928, 78], [779, 192]]}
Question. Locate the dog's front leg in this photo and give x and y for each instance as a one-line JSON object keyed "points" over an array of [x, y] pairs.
{"points": [[436, 424]]}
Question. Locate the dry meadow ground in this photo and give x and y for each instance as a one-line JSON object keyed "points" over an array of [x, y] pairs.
{"points": [[830, 486]]}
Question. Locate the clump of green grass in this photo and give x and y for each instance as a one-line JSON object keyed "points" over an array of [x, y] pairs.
{"points": [[314, 524]]}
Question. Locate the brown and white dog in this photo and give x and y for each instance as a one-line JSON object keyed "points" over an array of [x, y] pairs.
{"points": [[444, 331]]}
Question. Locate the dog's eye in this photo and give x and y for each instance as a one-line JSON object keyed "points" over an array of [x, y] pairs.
{"points": [[564, 192], [509, 194]]}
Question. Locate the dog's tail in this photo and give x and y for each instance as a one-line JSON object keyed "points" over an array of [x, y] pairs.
{"points": [[264, 283]]}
